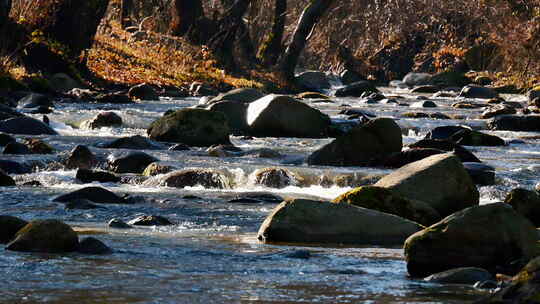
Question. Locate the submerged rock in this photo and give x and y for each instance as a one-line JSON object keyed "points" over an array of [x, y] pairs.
{"points": [[35, 100], [439, 180], [490, 236], [364, 145], [194, 127], [468, 137], [90, 245], [307, 221], [157, 168], [97, 195], [38, 146], [462, 275], [9, 226], [150, 220], [462, 153], [48, 236], [384, 200], [497, 110], [526, 203]]}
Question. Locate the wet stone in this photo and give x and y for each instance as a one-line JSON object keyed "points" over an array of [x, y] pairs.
{"points": [[150, 220], [119, 224]]}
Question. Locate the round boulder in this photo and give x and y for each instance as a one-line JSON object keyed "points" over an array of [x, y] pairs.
{"points": [[80, 157], [150, 220], [48, 236], [526, 203], [276, 178], [530, 123], [143, 91], [313, 80], [6, 180], [102, 120], [242, 95], [462, 275], [131, 162], [196, 177], [26, 126], [9, 226], [97, 195], [92, 245], [472, 91]]}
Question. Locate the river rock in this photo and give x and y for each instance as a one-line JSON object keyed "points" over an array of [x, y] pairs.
{"points": [[424, 104], [13, 167], [224, 151], [118, 224], [284, 116], [307, 221], [481, 174], [81, 158], [526, 203], [313, 80], [384, 200], [131, 162], [515, 123], [349, 76], [150, 220], [9, 226], [490, 236], [114, 98], [89, 176], [462, 275], [425, 89], [5, 139], [97, 195], [16, 148], [524, 287], [439, 180], [6, 180], [157, 168], [472, 91], [445, 145], [469, 137], [143, 91], [90, 245], [501, 109], [362, 146], [81, 204], [236, 113], [102, 120], [48, 236], [400, 159], [242, 95], [196, 177], [136, 142], [356, 89], [444, 132], [276, 178], [25, 125], [38, 146], [194, 127], [61, 82], [35, 100], [417, 79]]}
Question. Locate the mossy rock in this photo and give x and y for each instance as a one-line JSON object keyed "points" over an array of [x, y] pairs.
{"points": [[48, 236], [384, 200], [193, 127], [9, 226]]}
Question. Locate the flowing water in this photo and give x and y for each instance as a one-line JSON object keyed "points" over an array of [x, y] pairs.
{"points": [[211, 254]]}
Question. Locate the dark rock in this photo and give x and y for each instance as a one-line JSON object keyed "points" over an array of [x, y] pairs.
{"points": [[307, 221], [81, 204], [143, 91], [157, 168], [35, 100], [9, 226], [472, 91], [276, 178], [256, 198], [490, 236], [444, 132], [417, 79], [481, 174], [469, 137], [400, 159], [97, 195], [102, 120], [356, 89], [88, 176], [348, 77], [313, 80], [114, 98], [179, 147], [16, 148], [48, 236], [236, 113], [439, 180], [445, 145], [26, 126], [33, 183], [497, 110], [362, 146], [5, 139], [90, 245], [424, 104], [6, 112], [12, 167], [194, 127], [515, 123], [284, 116], [131, 162], [242, 95], [383, 200], [81, 158], [118, 224], [202, 89], [194, 177], [150, 220], [425, 89], [61, 82], [38, 146], [136, 142], [463, 275], [526, 203], [224, 151], [6, 180]]}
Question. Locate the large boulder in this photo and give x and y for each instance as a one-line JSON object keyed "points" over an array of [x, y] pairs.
{"points": [[242, 95], [13, 167], [284, 116], [194, 127], [416, 79], [526, 203], [446, 145], [26, 126], [97, 195], [6, 180], [236, 113], [462, 275], [364, 145], [439, 180], [143, 91], [400, 159], [313, 80], [48, 236], [195, 177], [515, 123], [307, 221], [80, 158], [102, 120], [9, 226], [356, 89], [469, 137], [92, 245], [472, 91], [131, 162], [89, 176], [35, 100], [490, 236], [384, 200]]}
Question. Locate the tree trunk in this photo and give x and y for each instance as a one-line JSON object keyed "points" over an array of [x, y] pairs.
{"points": [[271, 46], [309, 18], [125, 12], [185, 16]]}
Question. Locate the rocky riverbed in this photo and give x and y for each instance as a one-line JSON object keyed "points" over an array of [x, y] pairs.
{"points": [[189, 182]]}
